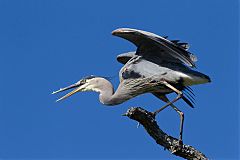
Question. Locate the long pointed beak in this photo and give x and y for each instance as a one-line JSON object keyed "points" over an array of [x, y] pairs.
{"points": [[78, 87]]}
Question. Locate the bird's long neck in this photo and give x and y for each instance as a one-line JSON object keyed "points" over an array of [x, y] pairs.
{"points": [[107, 95]]}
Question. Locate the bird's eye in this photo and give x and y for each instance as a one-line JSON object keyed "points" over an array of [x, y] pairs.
{"points": [[83, 81]]}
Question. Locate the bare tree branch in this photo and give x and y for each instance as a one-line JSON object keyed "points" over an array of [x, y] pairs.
{"points": [[172, 144]]}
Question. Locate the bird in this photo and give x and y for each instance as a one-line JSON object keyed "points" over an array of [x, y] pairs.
{"points": [[158, 66]]}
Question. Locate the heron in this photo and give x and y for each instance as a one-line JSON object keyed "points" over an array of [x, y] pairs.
{"points": [[158, 66]]}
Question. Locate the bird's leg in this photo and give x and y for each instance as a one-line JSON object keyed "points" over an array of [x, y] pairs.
{"points": [[177, 110], [181, 120], [165, 99], [181, 114], [168, 102]]}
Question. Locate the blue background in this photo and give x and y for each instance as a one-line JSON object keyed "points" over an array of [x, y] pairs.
{"points": [[45, 45]]}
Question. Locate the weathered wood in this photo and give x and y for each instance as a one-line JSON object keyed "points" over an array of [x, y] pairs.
{"points": [[147, 120]]}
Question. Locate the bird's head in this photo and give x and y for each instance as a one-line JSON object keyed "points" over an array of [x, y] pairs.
{"points": [[90, 83]]}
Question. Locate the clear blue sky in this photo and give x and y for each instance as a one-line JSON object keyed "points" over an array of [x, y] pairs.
{"points": [[48, 44]]}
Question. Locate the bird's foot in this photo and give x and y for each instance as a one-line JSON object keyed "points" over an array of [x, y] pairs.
{"points": [[180, 142], [153, 114], [176, 147]]}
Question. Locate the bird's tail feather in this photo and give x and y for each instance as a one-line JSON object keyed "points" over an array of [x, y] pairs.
{"points": [[188, 96]]}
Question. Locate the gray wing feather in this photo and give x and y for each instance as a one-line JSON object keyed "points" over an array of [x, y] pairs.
{"points": [[125, 57], [150, 44]]}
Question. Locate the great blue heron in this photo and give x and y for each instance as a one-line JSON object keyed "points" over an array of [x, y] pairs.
{"points": [[158, 66]]}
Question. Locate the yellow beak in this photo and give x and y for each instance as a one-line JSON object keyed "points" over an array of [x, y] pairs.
{"points": [[80, 88]]}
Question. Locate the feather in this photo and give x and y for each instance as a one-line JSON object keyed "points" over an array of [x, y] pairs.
{"points": [[187, 101], [175, 41], [165, 37]]}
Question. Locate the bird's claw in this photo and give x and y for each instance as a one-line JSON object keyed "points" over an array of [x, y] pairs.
{"points": [[153, 114], [177, 147], [180, 142], [173, 151]]}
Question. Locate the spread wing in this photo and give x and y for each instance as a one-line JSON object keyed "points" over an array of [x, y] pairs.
{"points": [[152, 46]]}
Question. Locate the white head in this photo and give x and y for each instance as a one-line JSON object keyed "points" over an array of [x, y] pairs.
{"points": [[90, 83]]}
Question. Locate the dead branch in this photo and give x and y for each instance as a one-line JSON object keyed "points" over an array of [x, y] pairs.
{"points": [[147, 120]]}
